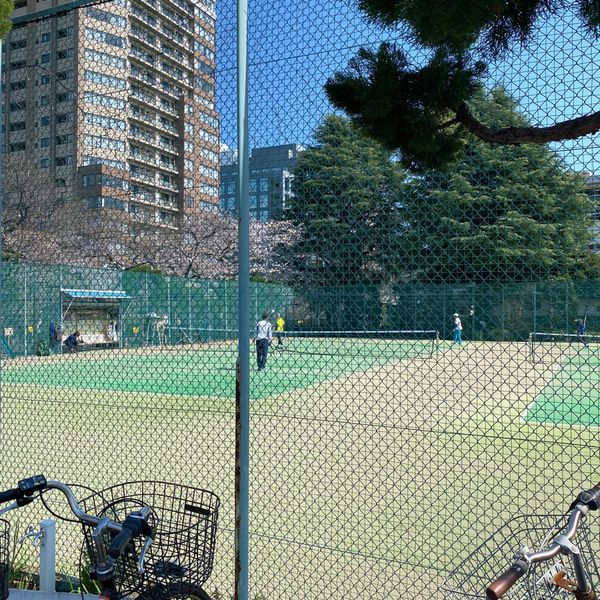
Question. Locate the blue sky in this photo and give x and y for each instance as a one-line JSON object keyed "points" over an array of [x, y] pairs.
{"points": [[296, 45]]}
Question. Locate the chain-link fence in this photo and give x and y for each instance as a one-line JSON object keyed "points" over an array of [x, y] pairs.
{"points": [[425, 360]]}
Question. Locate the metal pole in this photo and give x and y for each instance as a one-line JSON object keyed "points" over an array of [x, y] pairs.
{"points": [[2, 141], [48, 556], [243, 364]]}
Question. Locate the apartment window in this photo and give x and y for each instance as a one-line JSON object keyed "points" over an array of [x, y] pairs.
{"points": [[16, 147], [105, 58], [18, 44], [61, 161], [66, 32], [103, 121], [44, 79], [44, 142], [103, 100], [44, 100], [64, 118], [45, 58], [44, 163], [18, 85], [17, 126], [189, 164], [104, 37], [188, 183], [98, 160], [65, 75], [68, 53], [44, 121], [208, 172], [19, 64], [45, 37], [188, 201], [203, 85], [64, 139], [60, 182], [208, 120], [88, 180], [106, 17], [99, 141], [107, 80], [16, 106], [188, 146], [189, 128], [64, 96], [209, 154]]}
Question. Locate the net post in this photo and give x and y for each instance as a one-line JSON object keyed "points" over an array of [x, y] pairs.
{"points": [[530, 348]]}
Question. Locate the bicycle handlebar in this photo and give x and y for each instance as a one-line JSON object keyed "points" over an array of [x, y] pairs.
{"points": [[586, 501], [497, 589]]}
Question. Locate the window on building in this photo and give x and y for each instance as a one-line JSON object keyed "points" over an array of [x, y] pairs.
{"points": [[61, 161], [45, 58], [45, 37], [65, 97], [44, 121], [44, 142], [64, 118], [65, 32], [16, 44], [44, 163], [17, 126], [67, 53]]}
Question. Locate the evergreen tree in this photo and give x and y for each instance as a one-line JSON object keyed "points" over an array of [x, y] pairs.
{"points": [[501, 213], [425, 110], [346, 195]]}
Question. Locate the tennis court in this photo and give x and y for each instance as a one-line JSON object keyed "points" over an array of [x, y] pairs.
{"points": [[572, 397], [208, 370]]}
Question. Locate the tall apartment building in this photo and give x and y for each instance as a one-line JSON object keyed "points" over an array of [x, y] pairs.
{"points": [[113, 105], [271, 175]]}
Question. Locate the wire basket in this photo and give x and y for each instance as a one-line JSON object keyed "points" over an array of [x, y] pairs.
{"points": [[185, 522], [4, 558], [497, 553]]}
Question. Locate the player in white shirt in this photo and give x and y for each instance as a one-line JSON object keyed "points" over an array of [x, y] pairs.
{"points": [[457, 333], [264, 335]]}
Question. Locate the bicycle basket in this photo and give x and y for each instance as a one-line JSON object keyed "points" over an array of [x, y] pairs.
{"points": [[496, 554], [185, 521], [4, 558]]}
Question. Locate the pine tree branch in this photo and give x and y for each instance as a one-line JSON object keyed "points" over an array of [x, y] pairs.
{"points": [[565, 130]]}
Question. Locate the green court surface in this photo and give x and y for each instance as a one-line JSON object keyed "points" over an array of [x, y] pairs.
{"points": [[209, 370], [573, 395]]}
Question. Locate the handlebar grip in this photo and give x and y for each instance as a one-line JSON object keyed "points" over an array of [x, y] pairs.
{"points": [[505, 582], [135, 524], [9, 495], [119, 544], [591, 498]]}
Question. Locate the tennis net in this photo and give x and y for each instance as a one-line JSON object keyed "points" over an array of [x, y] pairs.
{"points": [[548, 347], [388, 344]]}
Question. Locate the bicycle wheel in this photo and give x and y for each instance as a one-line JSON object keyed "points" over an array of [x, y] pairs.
{"points": [[183, 591]]}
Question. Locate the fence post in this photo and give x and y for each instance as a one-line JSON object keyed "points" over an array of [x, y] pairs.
{"points": [[48, 556]]}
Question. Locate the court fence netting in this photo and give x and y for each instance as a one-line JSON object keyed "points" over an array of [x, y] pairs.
{"points": [[409, 410]]}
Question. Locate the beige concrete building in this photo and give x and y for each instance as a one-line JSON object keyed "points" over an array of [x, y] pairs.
{"points": [[113, 105]]}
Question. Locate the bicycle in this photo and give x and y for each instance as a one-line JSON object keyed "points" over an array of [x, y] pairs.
{"points": [[145, 540], [565, 566]]}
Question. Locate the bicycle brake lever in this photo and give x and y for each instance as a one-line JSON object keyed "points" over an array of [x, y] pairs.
{"points": [[140, 566]]}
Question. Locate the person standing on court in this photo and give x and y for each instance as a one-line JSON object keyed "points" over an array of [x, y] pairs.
{"points": [[582, 331], [279, 327], [457, 332], [264, 335]]}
